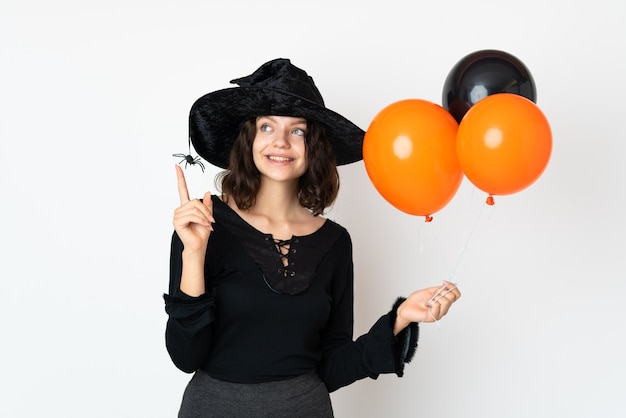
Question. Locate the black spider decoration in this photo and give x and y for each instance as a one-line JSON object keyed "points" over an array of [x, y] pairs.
{"points": [[189, 159]]}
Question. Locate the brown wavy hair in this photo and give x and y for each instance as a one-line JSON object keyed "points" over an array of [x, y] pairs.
{"points": [[318, 186]]}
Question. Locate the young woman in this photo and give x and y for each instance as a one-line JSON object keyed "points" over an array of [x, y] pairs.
{"points": [[260, 300]]}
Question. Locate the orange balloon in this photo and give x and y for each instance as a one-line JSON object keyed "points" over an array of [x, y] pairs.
{"points": [[504, 143], [409, 151]]}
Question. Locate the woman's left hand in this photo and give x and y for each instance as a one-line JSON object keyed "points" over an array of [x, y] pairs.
{"points": [[426, 305]]}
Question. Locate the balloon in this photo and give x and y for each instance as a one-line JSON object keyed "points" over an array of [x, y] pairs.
{"points": [[409, 151], [504, 143], [481, 74]]}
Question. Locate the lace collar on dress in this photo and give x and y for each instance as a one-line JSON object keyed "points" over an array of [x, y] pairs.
{"points": [[303, 255]]}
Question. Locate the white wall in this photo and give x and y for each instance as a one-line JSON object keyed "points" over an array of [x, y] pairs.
{"points": [[94, 100]]}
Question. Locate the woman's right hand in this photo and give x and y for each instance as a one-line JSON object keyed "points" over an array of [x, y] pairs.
{"points": [[193, 218]]}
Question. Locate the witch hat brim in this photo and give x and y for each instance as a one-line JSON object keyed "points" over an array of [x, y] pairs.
{"points": [[215, 118]]}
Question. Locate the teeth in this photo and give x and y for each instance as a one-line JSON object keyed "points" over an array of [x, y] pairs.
{"points": [[280, 159]]}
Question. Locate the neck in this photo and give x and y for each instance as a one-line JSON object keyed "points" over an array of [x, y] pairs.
{"points": [[278, 201]]}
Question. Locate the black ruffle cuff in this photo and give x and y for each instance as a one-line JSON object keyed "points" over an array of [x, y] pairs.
{"points": [[405, 343]]}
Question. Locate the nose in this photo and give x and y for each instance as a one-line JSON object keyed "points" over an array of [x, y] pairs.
{"points": [[281, 139]]}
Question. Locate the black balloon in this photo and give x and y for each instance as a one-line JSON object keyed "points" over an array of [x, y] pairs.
{"points": [[481, 74]]}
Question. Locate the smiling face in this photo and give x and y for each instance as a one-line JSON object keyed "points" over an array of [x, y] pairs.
{"points": [[279, 149]]}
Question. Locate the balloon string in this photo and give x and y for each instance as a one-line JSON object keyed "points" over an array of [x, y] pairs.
{"points": [[466, 245], [434, 298], [438, 294], [420, 239]]}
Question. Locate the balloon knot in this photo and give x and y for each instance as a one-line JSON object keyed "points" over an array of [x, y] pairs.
{"points": [[428, 218], [490, 200]]}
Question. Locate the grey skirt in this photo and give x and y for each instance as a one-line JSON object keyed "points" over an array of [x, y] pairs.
{"points": [[302, 396]]}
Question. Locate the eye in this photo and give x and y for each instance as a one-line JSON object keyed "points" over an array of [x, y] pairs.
{"points": [[265, 127], [299, 132]]}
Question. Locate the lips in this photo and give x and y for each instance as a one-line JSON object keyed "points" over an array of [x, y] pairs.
{"points": [[279, 158]]}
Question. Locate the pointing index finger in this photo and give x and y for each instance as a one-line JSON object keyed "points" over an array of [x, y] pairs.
{"points": [[182, 186]]}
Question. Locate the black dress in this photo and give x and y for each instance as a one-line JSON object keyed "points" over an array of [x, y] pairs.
{"points": [[263, 321]]}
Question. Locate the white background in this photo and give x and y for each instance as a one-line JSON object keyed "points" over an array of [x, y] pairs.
{"points": [[94, 100]]}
